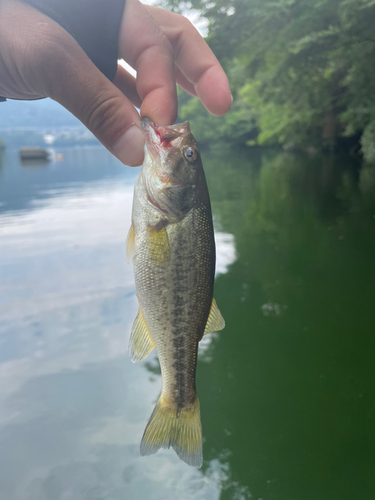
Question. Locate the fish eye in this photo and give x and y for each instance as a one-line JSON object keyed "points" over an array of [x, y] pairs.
{"points": [[190, 154]]}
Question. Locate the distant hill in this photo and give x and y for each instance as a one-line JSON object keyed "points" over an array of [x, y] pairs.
{"points": [[41, 123], [43, 113]]}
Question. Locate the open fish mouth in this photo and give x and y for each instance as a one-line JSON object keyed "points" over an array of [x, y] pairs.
{"points": [[159, 138]]}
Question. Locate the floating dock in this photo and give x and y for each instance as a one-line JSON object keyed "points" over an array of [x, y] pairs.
{"points": [[34, 154]]}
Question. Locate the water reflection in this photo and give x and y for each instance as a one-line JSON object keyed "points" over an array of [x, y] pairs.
{"points": [[286, 390], [34, 162], [2, 160], [292, 373], [73, 407]]}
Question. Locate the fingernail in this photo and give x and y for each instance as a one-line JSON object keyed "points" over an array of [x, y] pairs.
{"points": [[129, 147]]}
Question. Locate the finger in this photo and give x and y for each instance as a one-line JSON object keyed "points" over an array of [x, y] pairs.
{"points": [[184, 83], [128, 85], [195, 60], [70, 78], [143, 45], [213, 90]]}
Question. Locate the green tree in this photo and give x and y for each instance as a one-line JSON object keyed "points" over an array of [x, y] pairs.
{"points": [[300, 70]]}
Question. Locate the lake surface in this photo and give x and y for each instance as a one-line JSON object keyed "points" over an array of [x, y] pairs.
{"points": [[287, 390]]}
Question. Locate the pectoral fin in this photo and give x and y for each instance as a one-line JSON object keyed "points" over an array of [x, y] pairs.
{"points": [[215, 320], [158, 245], [141, 343], [130, 242]]}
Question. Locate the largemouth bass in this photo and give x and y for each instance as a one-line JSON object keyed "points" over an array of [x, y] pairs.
{"points": [[171, 243]]}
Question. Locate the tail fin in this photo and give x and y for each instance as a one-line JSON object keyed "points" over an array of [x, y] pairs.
{"points": [[180, 429]]}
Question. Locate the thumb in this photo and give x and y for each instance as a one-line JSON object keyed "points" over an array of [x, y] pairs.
{"points": [[70, 78]]}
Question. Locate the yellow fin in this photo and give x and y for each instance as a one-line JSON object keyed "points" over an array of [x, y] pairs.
{"points": [[140, 344], [130, 242], [158, 246], [180, 429], [215, 320]]}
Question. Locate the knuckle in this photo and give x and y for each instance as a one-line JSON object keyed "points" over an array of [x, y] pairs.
{"points": [[161, 42], [186, 23], [105, 117]]}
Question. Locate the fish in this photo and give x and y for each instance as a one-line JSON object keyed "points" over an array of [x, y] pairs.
{"points": [[171, 243]]}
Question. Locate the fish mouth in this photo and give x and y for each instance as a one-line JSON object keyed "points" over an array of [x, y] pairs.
{"points": [[160, 139]]}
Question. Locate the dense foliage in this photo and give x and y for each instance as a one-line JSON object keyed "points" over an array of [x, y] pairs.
{"points": [[301, 71]]}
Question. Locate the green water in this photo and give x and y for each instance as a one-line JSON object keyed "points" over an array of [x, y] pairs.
{"points": [[286, 390]]}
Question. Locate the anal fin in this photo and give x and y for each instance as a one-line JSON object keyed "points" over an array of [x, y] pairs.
{"points": [[215, 320], [141, 343]]}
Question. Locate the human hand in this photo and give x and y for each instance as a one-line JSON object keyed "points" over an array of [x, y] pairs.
{"points": [[40, 59]]}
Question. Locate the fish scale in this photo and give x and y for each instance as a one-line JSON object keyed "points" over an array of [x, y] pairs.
{"points": [[182, 313]]}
